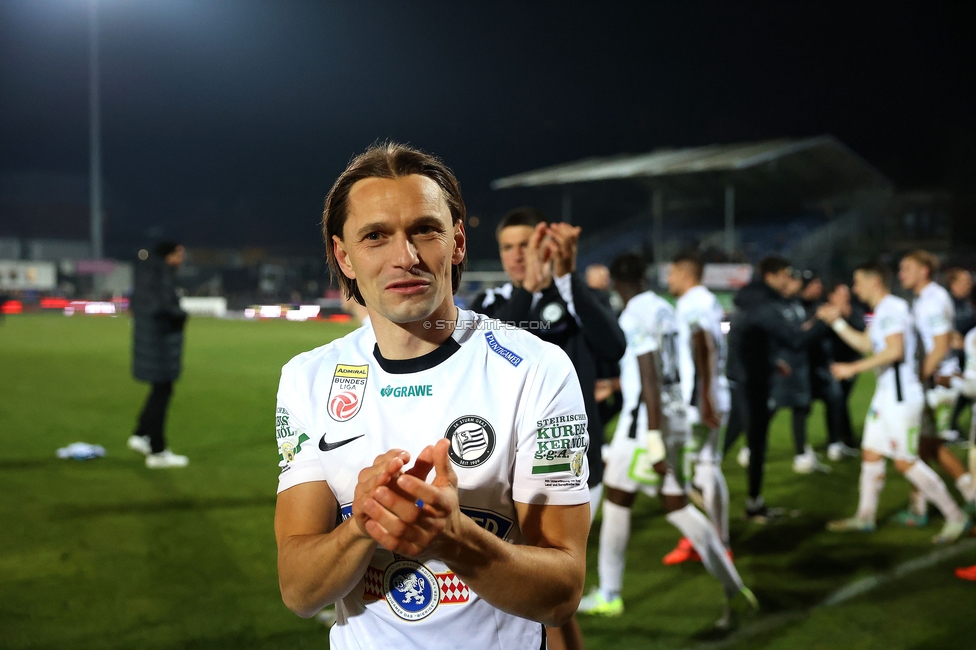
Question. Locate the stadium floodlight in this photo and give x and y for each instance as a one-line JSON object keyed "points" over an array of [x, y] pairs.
{"points": [[729, 218], [94, 134]]}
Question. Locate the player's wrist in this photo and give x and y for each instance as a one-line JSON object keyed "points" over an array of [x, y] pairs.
{"points": [[840, 326], [356, 527], [656, 451], [459, 548]]}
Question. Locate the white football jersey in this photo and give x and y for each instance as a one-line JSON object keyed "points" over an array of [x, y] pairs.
{"points": [[698, 309], [934, 314], [967, 383], [512, 407], [892, 316], [649, 324]]}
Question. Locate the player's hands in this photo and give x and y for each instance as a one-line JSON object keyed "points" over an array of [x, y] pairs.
{"points": [[402, 525], [828, 313], [783, 368], [384, 470], [842, 371], [565, 240], [538, 256]]}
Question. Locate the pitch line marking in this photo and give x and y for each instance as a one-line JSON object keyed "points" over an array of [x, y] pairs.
{"points": [[842, 595]]}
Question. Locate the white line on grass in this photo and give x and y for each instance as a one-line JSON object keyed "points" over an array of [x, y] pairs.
{"points": [[842, 595]]}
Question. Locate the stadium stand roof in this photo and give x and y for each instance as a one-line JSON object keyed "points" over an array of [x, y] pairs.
{"points": [[753, 177], [813, 166]]}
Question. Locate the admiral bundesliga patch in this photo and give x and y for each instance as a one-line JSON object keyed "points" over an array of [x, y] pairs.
{"points": [[348, 389]]}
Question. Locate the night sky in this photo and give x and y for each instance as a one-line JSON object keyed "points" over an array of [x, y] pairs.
{"points": [[226, 122]]}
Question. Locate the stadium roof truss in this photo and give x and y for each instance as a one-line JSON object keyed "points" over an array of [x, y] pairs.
{"points": [[763, 174]]}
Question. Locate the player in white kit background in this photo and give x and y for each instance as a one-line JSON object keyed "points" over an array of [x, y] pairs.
{"points": [[705, 392], [934, 314], [651, 435], [894, 418], [433, 467], [965, 383]]}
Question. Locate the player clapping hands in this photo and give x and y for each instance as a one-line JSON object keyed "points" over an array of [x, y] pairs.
{"points": [[404, 513]]}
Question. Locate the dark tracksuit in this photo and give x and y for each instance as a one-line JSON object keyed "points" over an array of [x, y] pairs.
{"points": [[757, 327], [792, 390], [594, 338], [824, 387]]}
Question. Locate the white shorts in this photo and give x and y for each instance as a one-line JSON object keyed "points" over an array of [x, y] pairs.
{"points": [[628, 468], [892, 427]]}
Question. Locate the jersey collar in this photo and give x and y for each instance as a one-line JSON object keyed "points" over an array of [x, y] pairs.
{"points": [[417, 364]]}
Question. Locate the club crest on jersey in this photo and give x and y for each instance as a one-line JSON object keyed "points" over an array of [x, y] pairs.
{"points": [[472, 441], [411, 590], [552, 312], [348, 389]]}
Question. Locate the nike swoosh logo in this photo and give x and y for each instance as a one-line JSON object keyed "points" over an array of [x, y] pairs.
{"points": [[329, 446]]}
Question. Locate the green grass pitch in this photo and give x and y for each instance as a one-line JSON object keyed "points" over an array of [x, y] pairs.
{"points": [[108, 554]]}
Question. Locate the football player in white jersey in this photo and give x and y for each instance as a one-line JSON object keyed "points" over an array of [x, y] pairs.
{"points": [[934, 314], [647, 446], [965, 383], [705, 391], [433, 465], [895, 415]]}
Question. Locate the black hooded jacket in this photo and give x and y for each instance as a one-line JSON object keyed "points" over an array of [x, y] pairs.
{"points": [[759, 327], [157, 342]]}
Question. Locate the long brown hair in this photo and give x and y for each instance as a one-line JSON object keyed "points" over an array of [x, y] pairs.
{"points": [[386, 160]]}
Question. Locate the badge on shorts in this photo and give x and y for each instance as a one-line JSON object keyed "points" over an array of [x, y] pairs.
{"points": [[348, 389], [472, 441]]}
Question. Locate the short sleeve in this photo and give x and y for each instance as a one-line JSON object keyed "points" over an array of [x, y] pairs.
{"points": [[550, 456], [640, 340], [938, 318], [892, 321], [969, 345], [296, 445], [694, 317]]}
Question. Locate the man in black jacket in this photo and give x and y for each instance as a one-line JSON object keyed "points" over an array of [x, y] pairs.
{"points": [[791, 385], [761, 324], [157, 349], [546, 296], [823, 386]]}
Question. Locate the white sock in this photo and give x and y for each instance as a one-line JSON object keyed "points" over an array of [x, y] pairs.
{"points": [[596, 493], [614, 535], [967, 487], [715, 494], [918, 504], [871, 483], [934, 489], [699, 531]]}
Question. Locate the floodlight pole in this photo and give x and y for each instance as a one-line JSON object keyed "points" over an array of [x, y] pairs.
{"points": [[94, 134], [657, 224], [729, 218]]}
